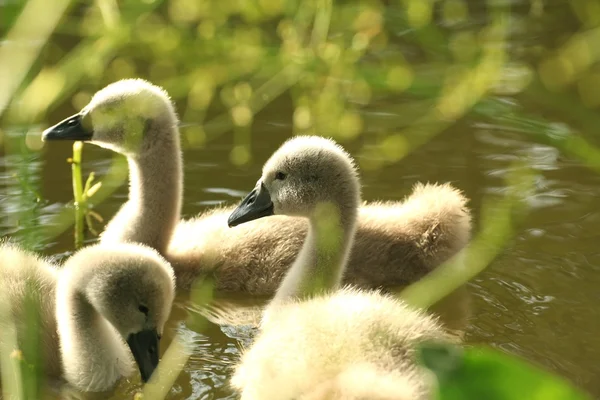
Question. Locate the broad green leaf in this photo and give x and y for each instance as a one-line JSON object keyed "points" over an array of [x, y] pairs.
{"points": [[483, 373]]}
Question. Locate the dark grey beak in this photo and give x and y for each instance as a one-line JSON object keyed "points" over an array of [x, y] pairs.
{"points": [[71, 128], [144, 346], [256, 205]]}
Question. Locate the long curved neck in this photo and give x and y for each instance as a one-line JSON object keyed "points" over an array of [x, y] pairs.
{"points": [[155, 192], [322, 261], [93, 355]]}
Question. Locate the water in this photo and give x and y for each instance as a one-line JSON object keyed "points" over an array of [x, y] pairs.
{"points": [[537, 300]]}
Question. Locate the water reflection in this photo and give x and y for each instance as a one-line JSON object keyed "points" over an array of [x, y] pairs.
{"points": [[215, 348]]}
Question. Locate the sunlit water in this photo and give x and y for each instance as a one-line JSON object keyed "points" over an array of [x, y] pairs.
{"points": [[537, 300]]}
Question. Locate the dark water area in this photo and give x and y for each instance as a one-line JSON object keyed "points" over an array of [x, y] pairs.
{"points": [[536, 300]]}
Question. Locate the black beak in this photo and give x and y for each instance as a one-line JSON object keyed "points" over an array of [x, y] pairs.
{"points": [[256, 205], [71, 128], [144, 346]]}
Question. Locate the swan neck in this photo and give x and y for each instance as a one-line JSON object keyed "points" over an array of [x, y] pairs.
{"points": [[156, 183], [94, 356], [322, 261], [155, 193]]}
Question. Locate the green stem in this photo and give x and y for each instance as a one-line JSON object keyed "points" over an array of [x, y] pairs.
{"points": [[78, 193]]}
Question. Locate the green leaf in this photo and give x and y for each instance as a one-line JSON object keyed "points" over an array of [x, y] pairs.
{"points": [[483, 373], [10, 12]]}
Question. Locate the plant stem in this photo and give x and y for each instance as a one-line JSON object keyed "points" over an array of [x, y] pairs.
{"points": [[78, 193]]}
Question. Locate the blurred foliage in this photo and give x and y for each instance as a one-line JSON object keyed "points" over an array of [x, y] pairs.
{"points": [[482, 373], [419, 66], [430, 62], [224, 63]]}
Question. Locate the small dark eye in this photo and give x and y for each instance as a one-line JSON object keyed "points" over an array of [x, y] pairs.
{"points": [[143, 309], [280, 176]]}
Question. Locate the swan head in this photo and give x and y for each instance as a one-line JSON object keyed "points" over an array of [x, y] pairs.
{"points": [[132, 287], [129, 116], [305, 173]]}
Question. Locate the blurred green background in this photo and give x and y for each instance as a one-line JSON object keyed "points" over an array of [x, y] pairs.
{"points": [[417, 90]]}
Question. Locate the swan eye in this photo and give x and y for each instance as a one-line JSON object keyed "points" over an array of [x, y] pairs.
{"points": [[280, 176], [143, 309]]}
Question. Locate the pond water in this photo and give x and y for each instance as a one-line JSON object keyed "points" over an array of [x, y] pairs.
{"points": [[537, 300]]}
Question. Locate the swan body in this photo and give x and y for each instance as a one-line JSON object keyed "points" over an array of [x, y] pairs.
{"points": [[351, 344], [399, 241], [21, 273], [317, 341], [104, 308]]}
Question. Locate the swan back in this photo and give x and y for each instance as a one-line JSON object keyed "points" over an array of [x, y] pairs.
{"points": [[29, 281], [317, 345], [19, 265], [365, 381]]}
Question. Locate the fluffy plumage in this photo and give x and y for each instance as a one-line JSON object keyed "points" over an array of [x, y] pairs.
{"points": [[88, 308], [349, 345], [316, 342], [398, 241]]}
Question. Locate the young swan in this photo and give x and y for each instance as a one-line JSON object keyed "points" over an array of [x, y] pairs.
{"points": [[399, 241], [312, 177], [352, 344], [105, 304], [314, 344]]}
